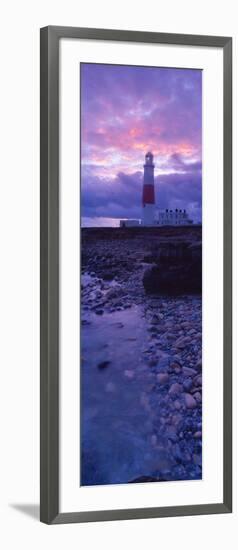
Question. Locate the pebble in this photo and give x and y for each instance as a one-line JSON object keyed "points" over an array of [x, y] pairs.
{"points": [[198, 397], [175, 389], [188, 371], [199, 365], [197, 459], [197, 435], [172, 433], [163, 377], [176, 419], [190, 402], [155, 319], [182, 342], [188, 384], [198, 380], [176, 367], [172, 347]]}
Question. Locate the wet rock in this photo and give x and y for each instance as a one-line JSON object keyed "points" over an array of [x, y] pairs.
{"points": [[198, 366], [188, 384], [178, 269], [190, 402], [171, 433], [149, 259], [163, 362], [163, 377], [175, 367], [103, 365], [198, 380], [155, 319], [153, 361], [175, 389], [108, 275], [177, 453], [115, 292], [197, 459], [182, 342], [198, 397], [176, 419], [172, 320], [188, 371]]}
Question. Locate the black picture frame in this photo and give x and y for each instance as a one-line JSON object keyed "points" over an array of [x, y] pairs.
{"points": [[49, 275]]}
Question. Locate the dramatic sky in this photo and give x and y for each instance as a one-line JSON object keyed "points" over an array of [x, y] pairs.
{"points": [[125, 112]]}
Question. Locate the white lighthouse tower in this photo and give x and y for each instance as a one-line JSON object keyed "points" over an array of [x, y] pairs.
{"points": [[148, 194]]}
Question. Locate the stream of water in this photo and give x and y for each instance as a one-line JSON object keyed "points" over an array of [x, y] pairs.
{"points": [[116, 425]]}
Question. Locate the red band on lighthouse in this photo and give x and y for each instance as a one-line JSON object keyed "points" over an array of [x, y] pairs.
{"points": [[148, 195]]}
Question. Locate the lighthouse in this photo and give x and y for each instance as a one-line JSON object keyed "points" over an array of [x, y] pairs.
{"points": [[148, 194]]}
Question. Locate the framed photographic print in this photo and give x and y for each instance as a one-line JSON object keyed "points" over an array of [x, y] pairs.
{"points": [[136, 275]]}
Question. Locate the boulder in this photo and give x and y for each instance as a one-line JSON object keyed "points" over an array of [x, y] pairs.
{"points": [[178, 269]]}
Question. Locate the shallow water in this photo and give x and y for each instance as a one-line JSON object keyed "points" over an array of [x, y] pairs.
{"points": [[123, 433], [116, 424]]}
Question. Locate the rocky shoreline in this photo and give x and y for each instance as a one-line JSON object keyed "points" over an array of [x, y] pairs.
{"points": [[147, 360]]}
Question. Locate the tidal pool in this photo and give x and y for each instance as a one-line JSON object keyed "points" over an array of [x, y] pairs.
{"points": [[135, 375], [115, 410]]}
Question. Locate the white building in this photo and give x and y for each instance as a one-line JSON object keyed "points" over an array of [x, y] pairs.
{"points": [[172, 217]]}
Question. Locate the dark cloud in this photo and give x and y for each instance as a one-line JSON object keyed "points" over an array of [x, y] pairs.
{"points": [[125, 111], [121, 197]]}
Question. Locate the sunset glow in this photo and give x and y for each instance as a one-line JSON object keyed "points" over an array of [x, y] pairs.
{"points": [[126, 111]]}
